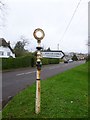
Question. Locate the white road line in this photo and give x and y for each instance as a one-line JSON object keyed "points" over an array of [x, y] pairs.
{"points": [[20, 74], [30, 72], [51, 68], [25, 73]]}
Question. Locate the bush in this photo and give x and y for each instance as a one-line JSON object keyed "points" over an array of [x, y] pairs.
{"points": [[19, 62], [74, 58], [25, 61], [53, 61], [33, 59], [7, 63], [46, 61]]}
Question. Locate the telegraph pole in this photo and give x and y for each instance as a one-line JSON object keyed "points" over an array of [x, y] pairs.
{"points": [[38, 35]]}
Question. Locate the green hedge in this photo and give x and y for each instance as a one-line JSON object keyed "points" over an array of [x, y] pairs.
{"points": [[25, 61], [46, 61], [53, 61], [19, 62]]}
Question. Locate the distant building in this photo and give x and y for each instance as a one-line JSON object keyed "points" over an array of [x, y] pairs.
{"points": [[5, 49], [68, 56], [80, 56]]}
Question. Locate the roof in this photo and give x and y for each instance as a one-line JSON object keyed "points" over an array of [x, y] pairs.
{"points": [[5, 44]]}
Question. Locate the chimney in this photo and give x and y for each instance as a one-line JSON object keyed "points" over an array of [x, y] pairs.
{"points": [[9, 43]]}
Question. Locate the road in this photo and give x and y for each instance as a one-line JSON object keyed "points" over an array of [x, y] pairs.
{"points": [[17, 80]]}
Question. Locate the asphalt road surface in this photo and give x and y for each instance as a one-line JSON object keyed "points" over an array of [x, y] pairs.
{"points": [[17, 80]]}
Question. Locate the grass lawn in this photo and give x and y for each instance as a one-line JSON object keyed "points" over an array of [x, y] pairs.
{"points": [[62, 96]]}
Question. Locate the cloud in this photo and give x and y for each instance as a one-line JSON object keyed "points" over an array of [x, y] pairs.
{"points": [[53, 17]]}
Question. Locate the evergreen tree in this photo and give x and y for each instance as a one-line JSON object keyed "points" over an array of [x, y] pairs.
{"points": [[74, 58]]}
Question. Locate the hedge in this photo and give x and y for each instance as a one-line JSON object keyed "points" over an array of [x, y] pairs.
{"points": [[53, 61], [19, 62], [25, 61], [46, 61]]}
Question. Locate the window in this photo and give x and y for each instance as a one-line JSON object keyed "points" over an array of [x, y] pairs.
{"points": [[1, 53], [8, 53]]}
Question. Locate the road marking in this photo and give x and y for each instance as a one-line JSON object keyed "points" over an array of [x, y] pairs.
{"points": [[25, 73], [51, 68], [30, 72], [20, 74]]}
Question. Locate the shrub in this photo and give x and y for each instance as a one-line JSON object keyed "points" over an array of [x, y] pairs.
{"points": [[74, 58], [25, 61], [19, 62], [45, 61], [53, 61]]}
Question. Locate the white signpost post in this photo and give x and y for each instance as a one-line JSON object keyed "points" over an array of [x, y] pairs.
{"points": [[39, 35], [52, 54]]}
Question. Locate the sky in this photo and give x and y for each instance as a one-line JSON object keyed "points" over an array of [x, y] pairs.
{"points": [[53, 16]]}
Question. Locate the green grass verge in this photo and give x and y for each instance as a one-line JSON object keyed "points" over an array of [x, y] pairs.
{"points": [[62, 96]]}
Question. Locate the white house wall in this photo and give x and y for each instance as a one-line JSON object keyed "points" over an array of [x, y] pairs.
{"points": [[5, 50]]}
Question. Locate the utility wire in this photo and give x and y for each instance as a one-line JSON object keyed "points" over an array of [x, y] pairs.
{"points": [[71, 19]]}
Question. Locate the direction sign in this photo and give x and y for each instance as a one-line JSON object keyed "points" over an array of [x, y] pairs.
{"points": [[53, 54]]}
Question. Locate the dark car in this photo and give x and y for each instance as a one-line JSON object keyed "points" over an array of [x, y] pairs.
{"points": [[65, 61]]}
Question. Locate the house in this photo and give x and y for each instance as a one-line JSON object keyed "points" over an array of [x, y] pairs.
{"points": [[81, 56], [5, 49], [68, 55]]}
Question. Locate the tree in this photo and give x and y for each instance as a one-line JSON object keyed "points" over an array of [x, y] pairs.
{"points": [[19, 48], [74, 58], [48, 49], [24, 39]]}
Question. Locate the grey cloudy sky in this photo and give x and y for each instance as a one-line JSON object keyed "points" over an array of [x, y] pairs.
{"points": [[53, 16]]}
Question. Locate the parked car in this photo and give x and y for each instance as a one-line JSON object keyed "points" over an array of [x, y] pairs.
{"points": [[65, 61], [70, 60]]}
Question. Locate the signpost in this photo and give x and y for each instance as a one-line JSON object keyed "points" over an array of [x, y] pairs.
{"points": [[38, 35], [53, 54]]}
